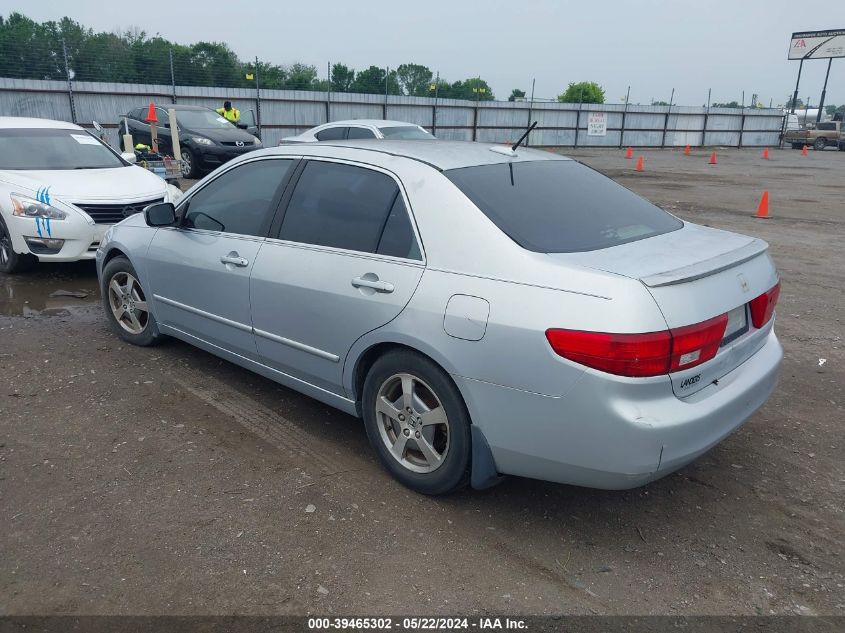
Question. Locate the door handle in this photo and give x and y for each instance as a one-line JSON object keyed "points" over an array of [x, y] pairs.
{"points": [[374, 284], [234, 259]]}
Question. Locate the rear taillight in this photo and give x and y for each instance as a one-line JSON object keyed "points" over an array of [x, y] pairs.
{"points": [[641, 355], [763, 307]]}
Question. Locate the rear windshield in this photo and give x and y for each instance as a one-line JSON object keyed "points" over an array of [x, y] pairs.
{"points": [[560, 206], [47, 148], [405, 133]]}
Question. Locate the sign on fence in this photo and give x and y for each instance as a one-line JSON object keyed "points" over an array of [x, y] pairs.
{"points": [[817, 45], [597, 124]]}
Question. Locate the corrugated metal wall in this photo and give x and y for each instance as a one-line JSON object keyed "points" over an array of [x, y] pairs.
{"points": [[289, 112]]}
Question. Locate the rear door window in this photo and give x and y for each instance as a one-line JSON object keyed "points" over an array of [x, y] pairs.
{"points": [[360, 132], [331, 134], [560, 206], [349, 207]]}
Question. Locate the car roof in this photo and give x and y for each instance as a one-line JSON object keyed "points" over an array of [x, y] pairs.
{"points": [[20, 122], [373, 122], [439, 154]]}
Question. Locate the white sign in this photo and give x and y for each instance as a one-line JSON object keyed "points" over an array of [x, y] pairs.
{"points": [[85, 139], [597, 124], [817, 45]]}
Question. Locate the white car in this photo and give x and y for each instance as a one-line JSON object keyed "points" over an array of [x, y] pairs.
{"points": [[357, 129], [60, 190]]}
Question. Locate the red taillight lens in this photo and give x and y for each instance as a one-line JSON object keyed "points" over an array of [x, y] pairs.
{"points": [[641, 355], [620, 354], [763, 307], [696, 344]]}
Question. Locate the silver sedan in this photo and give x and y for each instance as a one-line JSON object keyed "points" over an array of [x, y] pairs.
{"points": [[485, 311]]}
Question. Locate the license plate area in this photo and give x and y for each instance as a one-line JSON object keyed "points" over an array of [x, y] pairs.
{"points": [[737, 324]]}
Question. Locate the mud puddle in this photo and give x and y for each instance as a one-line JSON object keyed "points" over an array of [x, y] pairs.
{"points": [[50, 290]]}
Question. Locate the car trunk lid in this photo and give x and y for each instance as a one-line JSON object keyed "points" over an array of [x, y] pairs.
{"points": [[694, 274]]}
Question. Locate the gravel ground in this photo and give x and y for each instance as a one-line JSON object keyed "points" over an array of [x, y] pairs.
{"points": [[149, 481]]}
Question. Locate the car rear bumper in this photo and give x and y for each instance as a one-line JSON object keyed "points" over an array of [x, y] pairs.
{"points": [[616, 434]]}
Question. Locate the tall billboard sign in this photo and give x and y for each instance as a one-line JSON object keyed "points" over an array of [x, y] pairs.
{"points": [[817, 45]]}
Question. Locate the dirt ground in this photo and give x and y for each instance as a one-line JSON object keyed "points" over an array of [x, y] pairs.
{"points": [[163, 480]]}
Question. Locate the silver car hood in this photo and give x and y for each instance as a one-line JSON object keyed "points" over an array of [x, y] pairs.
{"points": [[687, 254]]}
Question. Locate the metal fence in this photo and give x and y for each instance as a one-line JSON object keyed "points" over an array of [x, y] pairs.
{"points": [[287, 112]]}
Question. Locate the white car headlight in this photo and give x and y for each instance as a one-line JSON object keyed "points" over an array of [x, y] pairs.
{"points": [[201, 140], [256, 141], [27, 207], [173, 194]]}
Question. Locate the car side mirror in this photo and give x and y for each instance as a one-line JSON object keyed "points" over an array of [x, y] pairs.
{"points": [[160, 214], [242, 126], [129, 157]]}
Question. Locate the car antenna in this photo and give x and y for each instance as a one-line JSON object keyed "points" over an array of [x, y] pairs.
{"points": [[522, 138]]}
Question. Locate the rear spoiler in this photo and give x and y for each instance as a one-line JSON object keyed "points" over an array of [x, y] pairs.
{"points": [[707, 267]]}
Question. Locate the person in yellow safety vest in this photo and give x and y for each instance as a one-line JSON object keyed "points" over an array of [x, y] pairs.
{"points": [[233, 115]]}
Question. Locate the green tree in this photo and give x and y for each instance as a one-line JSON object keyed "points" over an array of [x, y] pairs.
{"points": [[729, 104], [214, 64], [375, 80], [29, 49], [342, 78], [414, 79], [300, 76], [516, 93], [583, 92], [473, 89]]}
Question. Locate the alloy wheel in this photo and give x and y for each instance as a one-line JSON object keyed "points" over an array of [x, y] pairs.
{"points": [[412, 423], [128, 303], [186, 165], [5, 246]]}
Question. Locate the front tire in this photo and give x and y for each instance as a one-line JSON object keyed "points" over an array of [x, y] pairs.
{"points": [[126, 306], [417, 423], [820, 144], [189, 164], [10, 261]]}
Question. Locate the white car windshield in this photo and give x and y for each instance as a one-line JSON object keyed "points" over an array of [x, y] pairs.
{"points": [[54, 149], [405, 133], [202, 120]]}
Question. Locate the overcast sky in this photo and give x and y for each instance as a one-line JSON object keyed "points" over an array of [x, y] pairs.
{"points": [[651, 45]]}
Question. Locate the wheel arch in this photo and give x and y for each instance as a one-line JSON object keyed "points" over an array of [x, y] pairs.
{"points": [[483, 471]]}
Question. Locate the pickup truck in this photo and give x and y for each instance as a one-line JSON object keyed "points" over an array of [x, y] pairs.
{"points": [[824, 134]]}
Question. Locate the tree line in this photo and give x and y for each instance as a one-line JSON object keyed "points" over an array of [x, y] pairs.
{"points": [[33, 50], [56, 49]]}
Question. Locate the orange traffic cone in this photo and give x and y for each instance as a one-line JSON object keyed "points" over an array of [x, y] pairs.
{"points": [[640, 163], [763, 207], [766, 153], [151, 114], [804, 151], [686, 151], [629, 153], [713, 160]]}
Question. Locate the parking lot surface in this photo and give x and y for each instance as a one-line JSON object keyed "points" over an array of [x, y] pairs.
{"points": [[164, 480]]}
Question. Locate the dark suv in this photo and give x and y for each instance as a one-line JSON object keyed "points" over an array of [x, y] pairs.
{"points": [[206, 139]]}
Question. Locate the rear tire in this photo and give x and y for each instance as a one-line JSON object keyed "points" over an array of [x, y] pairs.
{"points": [[125, 303], [417, 423], [10, 261], [819, 144]]}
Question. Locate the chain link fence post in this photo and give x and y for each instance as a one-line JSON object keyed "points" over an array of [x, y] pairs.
{"points": [[69, 84], [624, 115], [257, 99], [172, 75], [329, 92]]}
